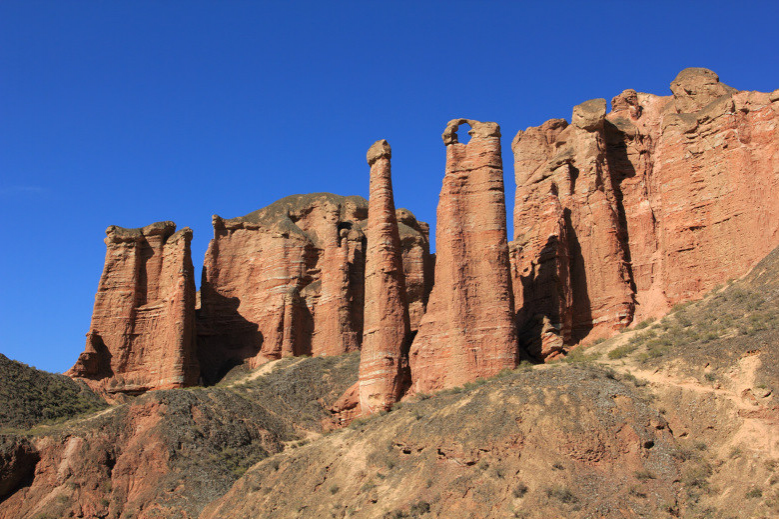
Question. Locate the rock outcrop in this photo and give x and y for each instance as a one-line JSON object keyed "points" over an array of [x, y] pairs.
{"points": [[142, 334], [659, 202], [417, 264], [564, 167], [386, 320], [288, 279], [468, 330]]}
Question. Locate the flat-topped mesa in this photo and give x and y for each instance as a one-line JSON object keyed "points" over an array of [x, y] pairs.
{"points": [[658, 200], [468, 330], [386, 321], [284, 280], [142, 335]]}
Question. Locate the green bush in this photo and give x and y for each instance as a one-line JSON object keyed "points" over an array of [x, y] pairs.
{"points": [[621, 351]]}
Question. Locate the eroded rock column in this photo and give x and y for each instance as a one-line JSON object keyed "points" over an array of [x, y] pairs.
{"points": [[142, 334], [468, 330], [386, 325]]}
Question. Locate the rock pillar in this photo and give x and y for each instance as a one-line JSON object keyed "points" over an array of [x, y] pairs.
{"points": [[386, 318], [468, 330]]}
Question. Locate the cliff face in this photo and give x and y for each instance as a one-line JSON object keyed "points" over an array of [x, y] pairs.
{"points": [[468, 330], [142, 334], [620, 216], [289, 279]]}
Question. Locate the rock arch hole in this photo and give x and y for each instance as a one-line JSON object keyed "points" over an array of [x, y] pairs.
{"points": [[463, 135]]}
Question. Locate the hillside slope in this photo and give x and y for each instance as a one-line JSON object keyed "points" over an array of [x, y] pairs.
{"points": [[29, 396], [676, 419], [168, 453]]}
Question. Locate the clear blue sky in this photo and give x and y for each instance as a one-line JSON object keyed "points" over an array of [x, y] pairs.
{"points": [[128, 113]]}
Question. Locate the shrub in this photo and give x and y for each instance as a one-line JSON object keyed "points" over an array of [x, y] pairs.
{"points": [[621, 351], [561, 494], [520, 490], [644, 475]]}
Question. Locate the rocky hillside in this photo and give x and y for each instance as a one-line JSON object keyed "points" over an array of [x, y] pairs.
{"points": [[621, 217], [29, 396], [170, 452], [676, 419]]}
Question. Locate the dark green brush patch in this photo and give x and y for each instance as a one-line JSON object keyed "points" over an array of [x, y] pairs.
{"points": [[29, 396]]}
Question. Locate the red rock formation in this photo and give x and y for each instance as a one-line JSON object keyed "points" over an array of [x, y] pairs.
{"points": [[698, 175], [658, 200], [468, 330], [544, 285], [566, 166], [417, 264], [142, 334], [386, 326], [287, 279]]}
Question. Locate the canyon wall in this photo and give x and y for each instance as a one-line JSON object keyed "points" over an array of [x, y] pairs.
{"points": [[468, 330], [620, 216], [289, 279], [142, 334]]}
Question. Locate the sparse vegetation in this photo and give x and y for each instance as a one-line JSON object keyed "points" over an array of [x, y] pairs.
{"points": [[622, 351], [561, 494], [644, 475], [520, 490], [29, 396]]}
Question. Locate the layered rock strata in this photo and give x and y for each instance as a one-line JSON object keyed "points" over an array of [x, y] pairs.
{"points": [[468, 330], [386, 320], [142, 334], [288, 279], [662, 199]]}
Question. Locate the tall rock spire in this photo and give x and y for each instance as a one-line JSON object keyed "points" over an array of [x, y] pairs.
{"points": [[468, 330], [386, 324]]}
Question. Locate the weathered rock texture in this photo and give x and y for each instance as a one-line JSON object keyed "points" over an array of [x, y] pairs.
{"points": [[386, 321], [468, 330], [619, 216], [288, 279], [142, 334]]}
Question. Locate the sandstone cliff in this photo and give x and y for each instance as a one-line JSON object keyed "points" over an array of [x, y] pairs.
{"points": [[142, 334], [620, 216], [468, 330], [289, 279]]}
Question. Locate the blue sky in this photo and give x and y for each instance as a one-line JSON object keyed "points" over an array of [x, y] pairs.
{"points": [[128, 113]]}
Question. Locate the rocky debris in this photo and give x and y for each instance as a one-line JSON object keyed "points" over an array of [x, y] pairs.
{"points": [[468, 330], [142, 334], [288, 279], [655, 205], [386, 322], [166, 454]]}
